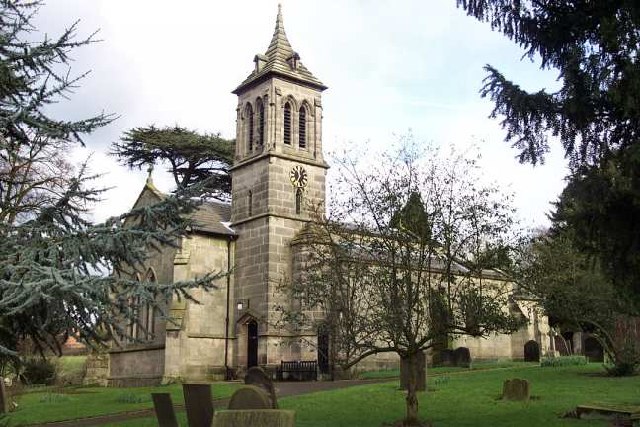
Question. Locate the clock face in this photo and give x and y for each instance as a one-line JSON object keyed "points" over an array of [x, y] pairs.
{"points": [[298, 176]]}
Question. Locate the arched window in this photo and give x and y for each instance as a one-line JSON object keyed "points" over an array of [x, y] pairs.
{"points": [[250, 202], [132, 330], [249, 130], [298, 200], [260, 123], [149, 319], [302, 127], [287, 123]]}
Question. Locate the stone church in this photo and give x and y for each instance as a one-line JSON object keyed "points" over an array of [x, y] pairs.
{"points": [[279, 169]]}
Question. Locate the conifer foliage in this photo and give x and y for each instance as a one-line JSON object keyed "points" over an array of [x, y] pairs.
{"points": [[192, 158], [595, 48], [60, 274]]}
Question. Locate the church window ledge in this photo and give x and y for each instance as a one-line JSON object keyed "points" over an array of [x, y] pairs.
{"points": [[137, 347]]}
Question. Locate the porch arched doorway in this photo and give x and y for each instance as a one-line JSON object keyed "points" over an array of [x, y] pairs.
{"points": [[252, 343]]}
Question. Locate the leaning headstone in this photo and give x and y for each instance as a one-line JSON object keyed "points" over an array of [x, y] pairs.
{"points": [[4, 399], [163, 406], [250, 397], [515, 389], [255, 418], [421, 380], [257, 376], [462, 357], [198, 403]]}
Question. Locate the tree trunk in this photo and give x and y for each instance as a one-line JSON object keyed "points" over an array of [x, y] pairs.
{"points": [[411, 418]]}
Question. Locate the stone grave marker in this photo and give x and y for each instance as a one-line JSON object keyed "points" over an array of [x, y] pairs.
{"points": [[250, 397], [515, 389], [198, 404], [257, 376], [421, 381], [445, 357], [163, 406], [255, 418], [462, 357]]}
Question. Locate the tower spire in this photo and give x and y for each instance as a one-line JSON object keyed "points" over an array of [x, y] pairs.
{"points": [[279, 59], [279, 45]]}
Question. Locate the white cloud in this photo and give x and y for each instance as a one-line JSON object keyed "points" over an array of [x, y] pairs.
{"points": [[389, 67]]}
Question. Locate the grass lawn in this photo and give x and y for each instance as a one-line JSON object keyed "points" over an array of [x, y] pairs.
{"points": [[471, 399], [53, 404], [484, 364], [456, 398]]}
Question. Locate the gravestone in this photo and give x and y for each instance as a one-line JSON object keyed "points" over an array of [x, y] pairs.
{"points": [[515, 389], [446, 357], [531, 351], [163, 406], [421, 380], [4, 398], [593, 350], [250, 397], [257, 376], [462, 357], [255, 418], [198, 403]]}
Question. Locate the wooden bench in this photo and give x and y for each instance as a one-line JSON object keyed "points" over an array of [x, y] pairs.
{"points": [[300, 370]]}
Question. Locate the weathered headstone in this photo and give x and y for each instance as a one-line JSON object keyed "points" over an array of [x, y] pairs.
{"points": [[445, 357], [250, 397], [255, 418], [462, 357], [421, 380], [531, 351], [257, 376], [163, 406], [4, 398], [198, 403], [515, 389]]}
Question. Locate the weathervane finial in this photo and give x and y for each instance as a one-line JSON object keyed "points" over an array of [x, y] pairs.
{"points": [[150, 172]]}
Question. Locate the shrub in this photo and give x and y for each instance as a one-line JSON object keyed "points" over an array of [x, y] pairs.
{"points": [[38, 370], [555, 362]]}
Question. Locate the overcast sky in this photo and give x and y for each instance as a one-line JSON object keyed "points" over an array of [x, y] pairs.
{"points": [[391, 67]]}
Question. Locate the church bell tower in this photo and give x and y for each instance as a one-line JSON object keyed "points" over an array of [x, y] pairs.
{"points": [[278, 184]]}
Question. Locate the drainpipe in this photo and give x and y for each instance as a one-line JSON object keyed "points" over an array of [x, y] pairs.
{"points": [[226, 317]]}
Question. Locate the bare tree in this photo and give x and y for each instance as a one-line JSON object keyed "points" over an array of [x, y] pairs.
{"points": [[385, 271]]}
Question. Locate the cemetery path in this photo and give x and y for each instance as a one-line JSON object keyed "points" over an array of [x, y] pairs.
{"points": [[283, 389]]}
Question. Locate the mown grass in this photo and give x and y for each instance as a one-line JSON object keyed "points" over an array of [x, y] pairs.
{"points": [[483, 364], [56, 404], [455, 398], [471, 398]]}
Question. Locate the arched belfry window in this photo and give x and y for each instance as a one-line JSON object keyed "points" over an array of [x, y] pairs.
{"points": [[249, 129], [287, 123], [302, 127], [298, 200], [260, 123]]}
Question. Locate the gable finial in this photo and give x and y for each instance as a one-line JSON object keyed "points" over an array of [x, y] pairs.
{"points": [[150, 172]]}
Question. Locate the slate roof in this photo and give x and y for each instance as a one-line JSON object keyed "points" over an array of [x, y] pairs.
{"points": [[276, 61], [214, 218]]}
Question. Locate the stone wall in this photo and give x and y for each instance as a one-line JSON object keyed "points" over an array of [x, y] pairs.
{"points": [[195, 347]]}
